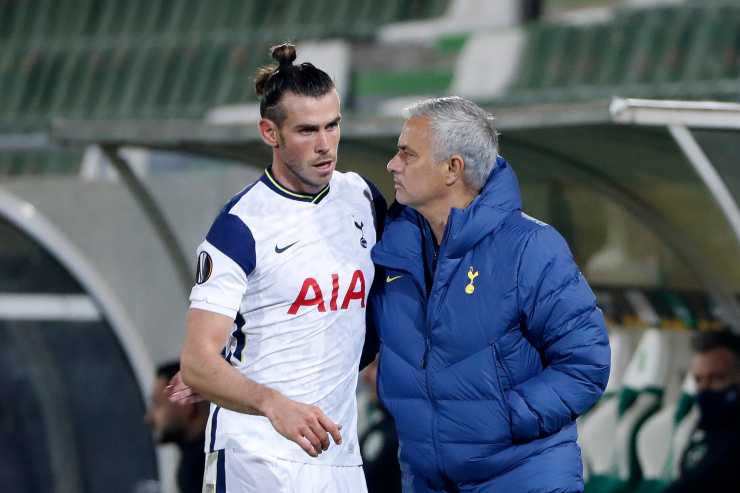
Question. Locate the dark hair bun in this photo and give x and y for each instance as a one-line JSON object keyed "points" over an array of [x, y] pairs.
{"points": [[284, 54]]}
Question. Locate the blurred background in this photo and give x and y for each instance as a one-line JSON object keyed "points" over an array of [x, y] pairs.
{"points": [[126, 125]]}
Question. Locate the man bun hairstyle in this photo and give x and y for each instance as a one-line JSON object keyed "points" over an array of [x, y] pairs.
{"points": [[272, 81]]}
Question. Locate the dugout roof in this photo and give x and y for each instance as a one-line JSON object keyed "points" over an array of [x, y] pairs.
{"points": [[669, 167]]}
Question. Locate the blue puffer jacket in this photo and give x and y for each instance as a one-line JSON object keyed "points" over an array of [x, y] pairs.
{"points": [[486, 373]]}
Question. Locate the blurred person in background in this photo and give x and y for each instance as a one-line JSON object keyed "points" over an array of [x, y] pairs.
{"points": [[184, 425], [276, 323], [379, 442], [711, 461], [491, 341]]}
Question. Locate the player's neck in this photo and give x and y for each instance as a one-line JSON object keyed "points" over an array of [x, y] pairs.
{"points": [[287, 179]]}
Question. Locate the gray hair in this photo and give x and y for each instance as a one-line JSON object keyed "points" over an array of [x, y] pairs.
{"points": [[460, 126]]}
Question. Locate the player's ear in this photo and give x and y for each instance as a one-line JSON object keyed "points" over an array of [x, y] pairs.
{"points": [[269, 132], [455, 168]]}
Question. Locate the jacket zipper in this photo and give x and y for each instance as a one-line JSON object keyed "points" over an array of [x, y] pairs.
{"points": [[428, 349]]}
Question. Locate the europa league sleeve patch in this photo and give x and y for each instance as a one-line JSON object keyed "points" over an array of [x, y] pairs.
{"points": [[204, 269]]}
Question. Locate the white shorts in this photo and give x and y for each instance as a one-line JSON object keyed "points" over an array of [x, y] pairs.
{"points": [[239, 471]]}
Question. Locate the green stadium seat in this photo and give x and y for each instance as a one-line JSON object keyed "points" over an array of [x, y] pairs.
{"points": [[154, 18], [147, 61], [9, 20], [663, 439], [49, 77], [65, 19], [99, 69], [39, 12], [590, 47], [206, 83], [622, 47], [241, 14], [725, 47], [162, 81], [114, 83], [70, 82], [236, 81], [597, 428], [10, 60], [684, 40], [183, 90], [561, 60], [536, 56], [32, 68], [660, 359]]}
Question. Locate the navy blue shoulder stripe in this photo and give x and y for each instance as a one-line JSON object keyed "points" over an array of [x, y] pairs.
{"points": [[232, 237], [380, 207]]}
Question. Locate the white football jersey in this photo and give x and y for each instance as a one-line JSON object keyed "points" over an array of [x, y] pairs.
{"points": [[294, 271]]}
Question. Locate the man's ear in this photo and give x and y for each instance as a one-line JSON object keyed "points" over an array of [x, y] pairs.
{"points": [[269, 132], [455, 168]]}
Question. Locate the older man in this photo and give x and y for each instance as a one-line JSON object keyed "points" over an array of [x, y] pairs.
{"points": [[491, 340]]}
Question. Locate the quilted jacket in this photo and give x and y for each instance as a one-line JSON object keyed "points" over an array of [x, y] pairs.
{"points": [[486, 371]]}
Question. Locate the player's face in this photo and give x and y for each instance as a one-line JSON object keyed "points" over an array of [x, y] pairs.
{"points": [[307, 141], [166, 419], [417, 178], [715, 370]]}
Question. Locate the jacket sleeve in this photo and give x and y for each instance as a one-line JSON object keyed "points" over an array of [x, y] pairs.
{"points": [[371, 346], [562, 321]]}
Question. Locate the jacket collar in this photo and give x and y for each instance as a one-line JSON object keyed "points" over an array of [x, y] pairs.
{"points": [[498, 198]]}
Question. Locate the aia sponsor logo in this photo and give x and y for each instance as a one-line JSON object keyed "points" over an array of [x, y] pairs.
{"points": [[311, 295]]}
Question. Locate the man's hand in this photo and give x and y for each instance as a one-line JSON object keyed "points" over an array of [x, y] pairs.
{"points": [[301, 423], [179, 393], [304, 424]]}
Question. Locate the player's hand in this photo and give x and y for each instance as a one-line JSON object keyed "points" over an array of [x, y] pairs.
{"points": [[303, 424], [179, 393]]}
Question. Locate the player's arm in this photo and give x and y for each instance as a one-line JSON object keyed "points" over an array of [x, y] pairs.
{"points": [[207, 373]]}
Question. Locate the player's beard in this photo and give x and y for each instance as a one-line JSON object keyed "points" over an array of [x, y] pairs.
{"points": [[301, 171]]}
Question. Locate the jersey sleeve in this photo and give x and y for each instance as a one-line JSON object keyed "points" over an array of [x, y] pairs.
{"points": [[225, 259]]}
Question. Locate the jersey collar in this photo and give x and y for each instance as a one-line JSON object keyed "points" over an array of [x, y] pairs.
{"points": [[272, 183]]}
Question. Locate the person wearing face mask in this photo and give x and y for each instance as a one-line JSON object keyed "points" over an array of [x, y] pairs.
{"points": [[711, 462]]}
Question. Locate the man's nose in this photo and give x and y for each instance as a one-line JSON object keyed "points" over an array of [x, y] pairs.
{"points": [[322, 143], [392, 165]]}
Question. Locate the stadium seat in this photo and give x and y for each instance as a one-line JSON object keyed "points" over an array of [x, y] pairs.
{"points": [[656, 369], [596, 429], [664, 437], [69, 93], [485, 81], [451, 17]]}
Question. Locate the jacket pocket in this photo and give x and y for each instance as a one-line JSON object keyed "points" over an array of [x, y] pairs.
{"points": [[502, 374], [504, 383]]}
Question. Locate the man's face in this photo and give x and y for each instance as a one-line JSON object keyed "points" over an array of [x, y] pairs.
{"points": [[417, 178], [717, 369], [308, 140], [167, 419]]}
